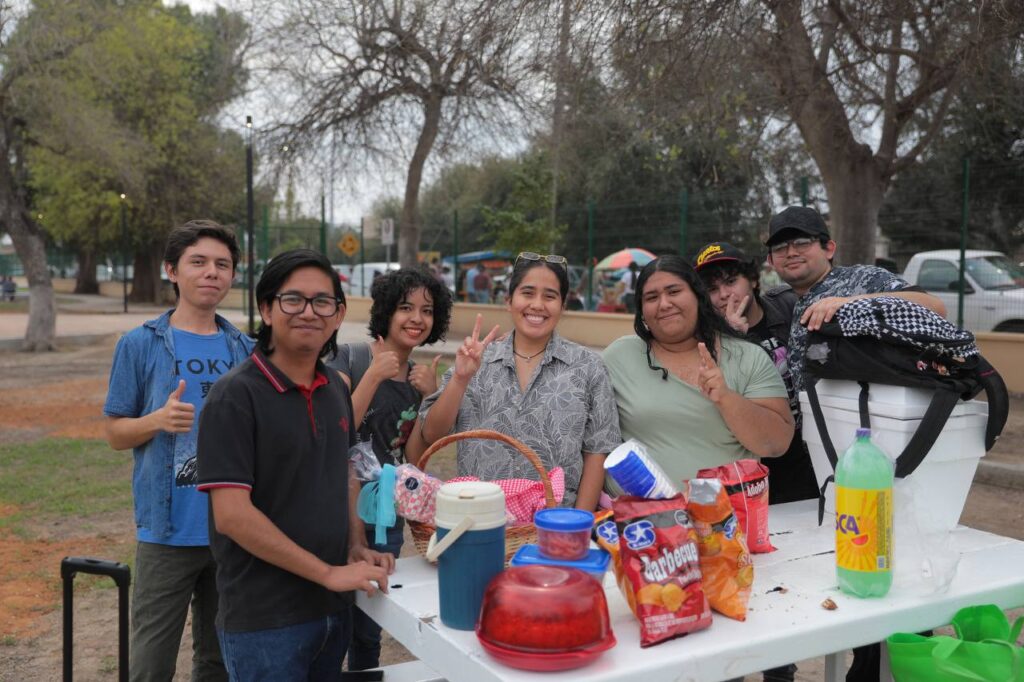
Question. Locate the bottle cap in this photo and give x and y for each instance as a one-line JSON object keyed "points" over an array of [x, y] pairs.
{"points": [[863, 433]]}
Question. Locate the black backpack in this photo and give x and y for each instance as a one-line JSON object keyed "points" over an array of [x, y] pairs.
{"points": [[890, 340]]}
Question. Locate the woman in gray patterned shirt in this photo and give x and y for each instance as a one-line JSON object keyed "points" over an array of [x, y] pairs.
{"points": [[552, 394]]}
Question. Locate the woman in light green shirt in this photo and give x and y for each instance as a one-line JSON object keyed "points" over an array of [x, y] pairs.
{"points": [[687, 386]]}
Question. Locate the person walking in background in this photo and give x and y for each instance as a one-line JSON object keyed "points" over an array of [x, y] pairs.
{"points": [[410, 309], [274, 445], [629, 288], [468, 282], [482, 284], [161, 375]]}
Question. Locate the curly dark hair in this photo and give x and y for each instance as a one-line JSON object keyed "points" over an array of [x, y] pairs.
{"points": [[710, 325], [389, 290], [277, 272], [713, 272]]}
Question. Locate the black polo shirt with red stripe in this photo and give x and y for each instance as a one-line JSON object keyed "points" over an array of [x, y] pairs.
{"points": [[288, 445]]}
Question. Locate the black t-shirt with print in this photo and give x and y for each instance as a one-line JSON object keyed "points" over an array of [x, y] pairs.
{"points": [[791, 476], [390, 416]]}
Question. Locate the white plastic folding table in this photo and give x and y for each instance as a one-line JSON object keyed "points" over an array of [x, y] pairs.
{"points": [[782, 626]]}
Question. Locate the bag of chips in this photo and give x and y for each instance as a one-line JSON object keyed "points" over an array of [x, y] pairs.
{"points": [[746, 482], [724, 560], [660, 573]]}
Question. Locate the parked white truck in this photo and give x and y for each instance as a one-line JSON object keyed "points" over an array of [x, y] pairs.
{"points": [[994, 287]]}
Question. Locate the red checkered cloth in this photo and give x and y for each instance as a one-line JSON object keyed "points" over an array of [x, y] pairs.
{"points": [[523, 497]]}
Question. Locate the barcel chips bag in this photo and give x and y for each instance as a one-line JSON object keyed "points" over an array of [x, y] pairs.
{"points": [[746, 481], [725, 563], [660, 567]]}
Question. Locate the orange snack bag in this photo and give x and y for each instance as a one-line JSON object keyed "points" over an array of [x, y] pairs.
{"points": [[660, 575], [746, 482], [724, 560]]}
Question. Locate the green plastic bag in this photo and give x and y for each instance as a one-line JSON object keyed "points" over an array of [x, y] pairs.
{"points": [[984, 650]]}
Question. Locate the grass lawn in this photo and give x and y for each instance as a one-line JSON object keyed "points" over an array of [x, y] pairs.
{"points": [[62, 478]]}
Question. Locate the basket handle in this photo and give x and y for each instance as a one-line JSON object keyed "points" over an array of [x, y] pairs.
{"points": [[487, 434]]}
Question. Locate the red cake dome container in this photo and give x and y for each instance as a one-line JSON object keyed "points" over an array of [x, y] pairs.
{"points": [[544, 618]]}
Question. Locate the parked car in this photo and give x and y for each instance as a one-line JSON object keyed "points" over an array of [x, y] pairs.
{"points": [[361, 276], [993, 287]]}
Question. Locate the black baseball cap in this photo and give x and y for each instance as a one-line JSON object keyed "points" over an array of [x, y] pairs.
{"points": [[717, 252], [799, 218]]}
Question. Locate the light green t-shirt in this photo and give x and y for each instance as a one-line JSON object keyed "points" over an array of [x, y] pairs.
{"points": [[683, 430]]}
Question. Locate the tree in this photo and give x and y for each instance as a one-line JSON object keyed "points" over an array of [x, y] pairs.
{"points": [[388, 73], [524, 223], [844, 71], [30, 45], [130, 112]]}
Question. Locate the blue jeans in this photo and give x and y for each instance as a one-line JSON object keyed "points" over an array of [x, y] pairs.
{"points": [[308, 651], [364, 650]]}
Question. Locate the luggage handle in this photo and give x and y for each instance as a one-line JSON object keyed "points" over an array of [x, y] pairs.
{"points": [[121, 574]]}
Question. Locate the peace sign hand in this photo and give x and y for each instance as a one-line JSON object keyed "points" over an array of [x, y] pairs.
{"points": [[711, 380], [471, 352], [736, 315]]}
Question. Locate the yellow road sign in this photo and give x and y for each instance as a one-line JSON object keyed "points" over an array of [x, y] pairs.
{"points": [[349, 244]]}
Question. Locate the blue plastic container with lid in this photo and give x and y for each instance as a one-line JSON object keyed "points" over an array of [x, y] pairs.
{"points": [[595, 562], [563, 534]]}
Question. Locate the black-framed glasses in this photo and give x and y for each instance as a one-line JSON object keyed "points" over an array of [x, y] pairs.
{"points": [[800, 244], [550, 258], [295, 304]]}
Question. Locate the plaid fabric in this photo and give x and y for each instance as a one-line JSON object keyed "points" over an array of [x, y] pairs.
{"points": [[899, 321], [523, 497]]}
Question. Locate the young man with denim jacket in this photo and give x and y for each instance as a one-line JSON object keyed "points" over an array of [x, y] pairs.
{"points": [[160, 376]]}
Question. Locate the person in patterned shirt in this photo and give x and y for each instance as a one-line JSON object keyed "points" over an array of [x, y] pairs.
{"points": [[548, 392], [801, 251]]}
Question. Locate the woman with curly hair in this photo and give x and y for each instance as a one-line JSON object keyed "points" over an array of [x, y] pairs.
{"points": [[411, 308], [688, 386]]}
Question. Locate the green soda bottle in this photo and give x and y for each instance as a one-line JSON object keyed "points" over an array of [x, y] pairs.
{"points": [[864, 478]]}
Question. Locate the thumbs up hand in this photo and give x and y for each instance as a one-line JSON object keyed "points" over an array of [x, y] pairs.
{"points": [[177, 416], [385, 363], [424, 377]]}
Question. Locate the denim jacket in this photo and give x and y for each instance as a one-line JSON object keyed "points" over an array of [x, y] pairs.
{"points": [[141, 379]]}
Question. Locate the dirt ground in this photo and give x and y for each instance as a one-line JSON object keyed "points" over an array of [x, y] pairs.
{"points": [[61, 394]]}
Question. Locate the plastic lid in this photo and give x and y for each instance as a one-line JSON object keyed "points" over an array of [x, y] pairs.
{"points": [[564, 520], [484, 502], [596, 560], [863, 433]]}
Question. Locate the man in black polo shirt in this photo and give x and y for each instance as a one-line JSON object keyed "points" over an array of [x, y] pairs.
{"points": [[273, 455]]}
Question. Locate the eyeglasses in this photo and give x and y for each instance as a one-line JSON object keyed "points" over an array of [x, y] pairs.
{"points": [[799, 245], [551, 258], [294, 304]]}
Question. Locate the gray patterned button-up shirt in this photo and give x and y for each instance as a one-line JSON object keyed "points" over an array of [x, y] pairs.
{"points": [[851, 280], [568, 409]]}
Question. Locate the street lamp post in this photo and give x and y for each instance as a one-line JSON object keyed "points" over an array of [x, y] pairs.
{"points": [[124, 252], [250, 229]]}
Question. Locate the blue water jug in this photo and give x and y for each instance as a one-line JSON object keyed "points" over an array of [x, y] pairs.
{"points": [[469, 546]]}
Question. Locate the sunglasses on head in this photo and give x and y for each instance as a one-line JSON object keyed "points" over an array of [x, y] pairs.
{"points": [[550, 258]]}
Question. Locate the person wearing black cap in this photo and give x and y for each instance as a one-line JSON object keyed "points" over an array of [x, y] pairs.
{"points": [[801, 249], [733, 283]]}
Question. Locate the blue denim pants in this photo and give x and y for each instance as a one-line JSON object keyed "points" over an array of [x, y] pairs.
{"points": [[308, 651], [364, 650]]}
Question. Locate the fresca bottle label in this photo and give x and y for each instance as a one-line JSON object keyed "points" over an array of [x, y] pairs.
{"points": [[864, 529]]}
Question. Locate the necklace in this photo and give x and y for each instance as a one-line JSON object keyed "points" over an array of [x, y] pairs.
{"points": [[526, 357]]}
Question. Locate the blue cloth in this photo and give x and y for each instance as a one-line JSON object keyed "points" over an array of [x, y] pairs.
{"points": [[377, 504], [141, 379], [200, 360], [310, 651]]}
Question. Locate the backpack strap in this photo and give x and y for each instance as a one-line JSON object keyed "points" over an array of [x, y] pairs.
{"points": [[862, 405], [998, 401], [826, 443], [928, 431], [358, 362]]}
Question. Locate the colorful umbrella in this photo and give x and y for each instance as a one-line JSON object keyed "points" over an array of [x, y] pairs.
{"points": [[622, 259]]}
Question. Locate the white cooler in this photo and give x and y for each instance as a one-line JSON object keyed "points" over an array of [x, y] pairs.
{"points": [[946, 472]]}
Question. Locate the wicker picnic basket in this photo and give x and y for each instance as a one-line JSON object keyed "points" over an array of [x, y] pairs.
{"points": [[515, 536]]}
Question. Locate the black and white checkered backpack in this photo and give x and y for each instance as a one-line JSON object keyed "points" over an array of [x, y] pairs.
{"points": [[889, 340]]}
